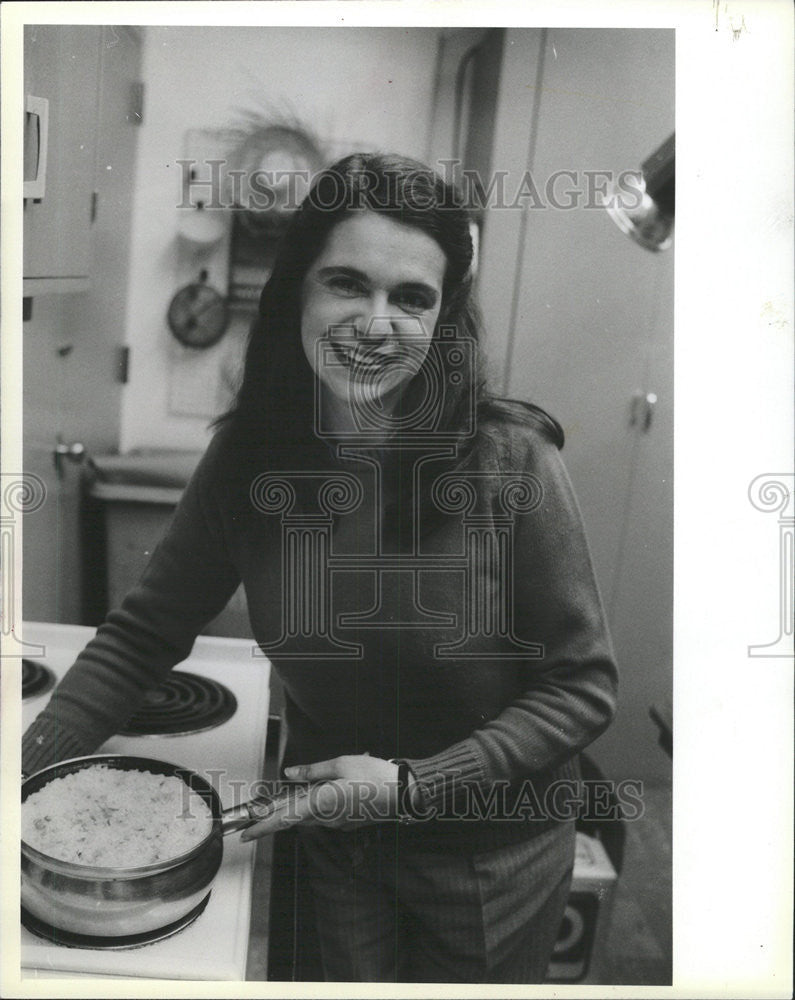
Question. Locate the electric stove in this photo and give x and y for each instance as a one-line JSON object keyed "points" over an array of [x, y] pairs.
{"points": [[209, 716]]}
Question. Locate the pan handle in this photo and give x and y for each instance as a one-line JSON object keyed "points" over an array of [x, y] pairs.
{"points": [[237, 818]]}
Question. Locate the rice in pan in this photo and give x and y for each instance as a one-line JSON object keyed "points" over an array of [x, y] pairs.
{"points": [[111, 818]]}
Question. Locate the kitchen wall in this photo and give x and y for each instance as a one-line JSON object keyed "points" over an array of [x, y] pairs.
{"points": [[372, 86]]}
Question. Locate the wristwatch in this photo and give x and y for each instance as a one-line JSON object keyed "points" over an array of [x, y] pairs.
{"points": [[406, 812]]}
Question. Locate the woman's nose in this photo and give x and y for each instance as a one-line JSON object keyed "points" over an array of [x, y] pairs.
{"points": [[375, 322]]}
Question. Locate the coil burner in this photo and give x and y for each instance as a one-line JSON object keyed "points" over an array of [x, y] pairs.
{"points": [[68, 939], [36, 679], [184, 703]]}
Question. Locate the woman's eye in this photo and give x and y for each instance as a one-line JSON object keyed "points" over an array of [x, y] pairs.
{"points": [[412, 301], [345, 285]]}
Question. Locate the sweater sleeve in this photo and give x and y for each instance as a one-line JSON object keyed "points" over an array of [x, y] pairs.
{"points": [[568, 695], [187, 582]]}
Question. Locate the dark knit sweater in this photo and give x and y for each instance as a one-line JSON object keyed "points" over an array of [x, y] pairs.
{"points": [[489, 689]]}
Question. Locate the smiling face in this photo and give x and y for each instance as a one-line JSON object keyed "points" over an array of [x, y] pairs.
{"points": [[370, 302]]}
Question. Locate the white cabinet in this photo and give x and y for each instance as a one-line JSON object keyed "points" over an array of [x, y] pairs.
{"points": [[73, 343], [61, 76], [580, 321]]}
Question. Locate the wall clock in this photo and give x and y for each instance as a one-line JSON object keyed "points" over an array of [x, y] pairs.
{"points": [[198, 314]]}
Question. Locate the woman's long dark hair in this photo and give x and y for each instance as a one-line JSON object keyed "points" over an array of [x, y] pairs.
{"points": [[274, 412]]}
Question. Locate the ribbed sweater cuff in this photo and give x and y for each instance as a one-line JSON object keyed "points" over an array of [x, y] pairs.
{"points": [[46, 742], [441, 776]]}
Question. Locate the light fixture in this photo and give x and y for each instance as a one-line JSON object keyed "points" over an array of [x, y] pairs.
{"points": [[647, 213]]}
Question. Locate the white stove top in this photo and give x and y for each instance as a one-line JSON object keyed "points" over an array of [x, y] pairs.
{"points": [[231, 757]]}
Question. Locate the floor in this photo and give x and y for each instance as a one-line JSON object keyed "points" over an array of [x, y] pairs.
{"points": [[638, 944], [637, 947]]}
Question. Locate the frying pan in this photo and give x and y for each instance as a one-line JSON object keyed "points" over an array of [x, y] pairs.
{"points": [[111, 902]]}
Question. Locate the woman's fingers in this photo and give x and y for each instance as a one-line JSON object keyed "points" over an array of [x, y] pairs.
{"points": [[284, 812], [340, 793], [324, 770], [327, 803]]}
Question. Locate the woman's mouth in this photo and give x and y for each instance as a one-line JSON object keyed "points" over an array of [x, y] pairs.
{"points": [[362, 359]]}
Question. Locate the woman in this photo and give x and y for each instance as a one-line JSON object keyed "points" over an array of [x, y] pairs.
{"points": [[449, 657]]}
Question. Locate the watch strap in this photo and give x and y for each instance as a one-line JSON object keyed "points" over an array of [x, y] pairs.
{"points": [[406, 812]]}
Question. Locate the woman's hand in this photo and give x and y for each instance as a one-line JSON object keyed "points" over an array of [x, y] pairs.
{"points": [[341, 793]]}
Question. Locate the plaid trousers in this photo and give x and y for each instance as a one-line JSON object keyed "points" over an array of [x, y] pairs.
{"points": [[386, 913]]}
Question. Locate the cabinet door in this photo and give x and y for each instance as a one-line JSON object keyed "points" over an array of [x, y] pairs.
{"points": [[641, 600], [72, 387], [580, 321], [61, 65]]}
